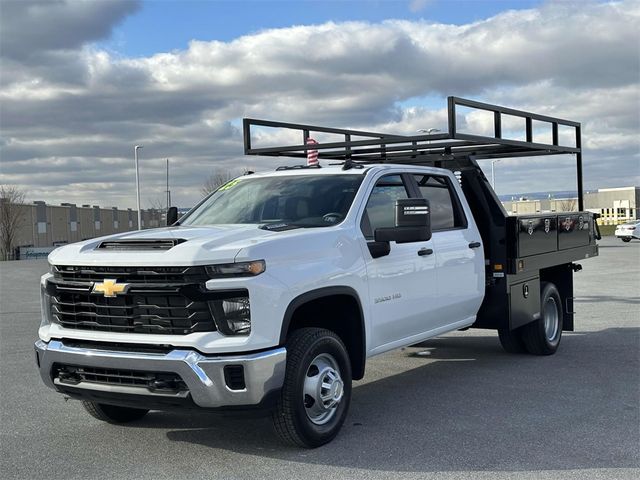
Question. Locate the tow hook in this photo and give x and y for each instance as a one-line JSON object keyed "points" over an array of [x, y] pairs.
{"points": [[576, 267], [160, 384]]}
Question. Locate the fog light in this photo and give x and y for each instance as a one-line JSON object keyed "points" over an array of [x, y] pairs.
{"points": [[232, 315]]}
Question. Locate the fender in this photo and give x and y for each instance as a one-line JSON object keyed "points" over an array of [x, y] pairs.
{"points": [[322, 293]]}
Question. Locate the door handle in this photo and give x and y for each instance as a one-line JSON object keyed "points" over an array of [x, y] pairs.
{"points": [[475, 245], [425, 251]]}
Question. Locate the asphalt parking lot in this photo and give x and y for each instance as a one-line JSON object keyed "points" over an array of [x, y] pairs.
{"points": [[455, 407]]}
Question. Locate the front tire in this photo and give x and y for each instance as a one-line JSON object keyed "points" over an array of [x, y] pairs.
{"points": [[113, 413], [542, 337], [316, 393], [626, 240]]}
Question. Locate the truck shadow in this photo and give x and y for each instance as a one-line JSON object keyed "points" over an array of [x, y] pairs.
{"points": [[460, 403], [608, 298]]}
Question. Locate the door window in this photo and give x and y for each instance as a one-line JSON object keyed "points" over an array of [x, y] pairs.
{"points": [[381, 207]]}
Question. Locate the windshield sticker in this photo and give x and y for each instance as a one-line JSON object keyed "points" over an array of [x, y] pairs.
{"points": [[228, 185]]}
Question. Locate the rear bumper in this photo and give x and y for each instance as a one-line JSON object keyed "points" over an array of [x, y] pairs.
{"points": [[204, 375]]}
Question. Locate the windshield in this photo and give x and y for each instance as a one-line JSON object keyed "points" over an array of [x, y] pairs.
{"points": [[284, 201]]}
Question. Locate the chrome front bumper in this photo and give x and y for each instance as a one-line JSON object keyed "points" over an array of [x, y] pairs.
{"points": [[203, 375]]}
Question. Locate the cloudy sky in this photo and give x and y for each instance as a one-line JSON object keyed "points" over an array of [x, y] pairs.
{"points": [[82, 82]]}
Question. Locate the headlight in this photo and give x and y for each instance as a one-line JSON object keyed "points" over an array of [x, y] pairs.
{"points": [[240, 269], [232, 315], [45, 302]]}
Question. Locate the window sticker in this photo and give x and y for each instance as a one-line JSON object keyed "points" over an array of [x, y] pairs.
{"points": [[229, 185]]}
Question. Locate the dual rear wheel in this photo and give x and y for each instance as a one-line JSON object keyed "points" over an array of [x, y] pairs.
{"points": [[542, 336]]}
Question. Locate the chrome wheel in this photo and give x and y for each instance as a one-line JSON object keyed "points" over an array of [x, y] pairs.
{"points": [[323, 389], [551, 319]]}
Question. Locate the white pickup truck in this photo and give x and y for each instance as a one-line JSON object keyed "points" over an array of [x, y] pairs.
{"points": [[274, 291]]}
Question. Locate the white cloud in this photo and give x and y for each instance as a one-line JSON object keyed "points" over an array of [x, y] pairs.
{"points": [[71, 113]]}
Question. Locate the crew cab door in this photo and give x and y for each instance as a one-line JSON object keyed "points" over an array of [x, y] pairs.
{"points": [[402, 284], [458, 250]]}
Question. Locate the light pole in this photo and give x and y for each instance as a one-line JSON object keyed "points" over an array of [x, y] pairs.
{"points": [[493, 173], [428, 131], [135, 154], [168, 191]]}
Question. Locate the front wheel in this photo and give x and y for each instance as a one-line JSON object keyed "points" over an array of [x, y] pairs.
{"points": [[542, 337], [625, 240], [316, 393]]}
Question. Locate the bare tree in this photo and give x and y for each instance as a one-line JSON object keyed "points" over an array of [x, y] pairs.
{"points": [[11, 200], [159, 204], [217, 178], [568, 205]]}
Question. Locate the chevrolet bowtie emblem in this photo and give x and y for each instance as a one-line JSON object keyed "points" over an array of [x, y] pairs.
{"points": [[109, 287]]}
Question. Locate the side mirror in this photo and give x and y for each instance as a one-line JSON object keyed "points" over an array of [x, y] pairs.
{"points": [[413, 223], [172, 215]]}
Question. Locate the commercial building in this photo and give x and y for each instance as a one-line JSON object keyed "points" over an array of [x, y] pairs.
{"points": [[42, 227], [615, 205]]}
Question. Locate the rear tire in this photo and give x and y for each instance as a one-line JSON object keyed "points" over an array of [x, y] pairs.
{"points": [[316, 393], [511, 340], [542, 337], [113, 413]]}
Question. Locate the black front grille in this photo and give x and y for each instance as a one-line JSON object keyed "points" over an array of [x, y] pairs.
{"points": [[182, 275], [157, 300], [168, 313], [154, 381]]}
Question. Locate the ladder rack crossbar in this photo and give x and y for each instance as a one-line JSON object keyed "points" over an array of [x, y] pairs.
{"points": [[386, 146]]}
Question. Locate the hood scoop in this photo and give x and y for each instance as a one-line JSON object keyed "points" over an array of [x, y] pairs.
{"points": [[150, 244]]}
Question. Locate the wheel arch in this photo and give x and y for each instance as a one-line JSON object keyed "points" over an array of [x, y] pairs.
{"points": [[305, 309]]}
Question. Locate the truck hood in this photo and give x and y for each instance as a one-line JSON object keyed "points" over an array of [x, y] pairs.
{"points": [[197, 246]]}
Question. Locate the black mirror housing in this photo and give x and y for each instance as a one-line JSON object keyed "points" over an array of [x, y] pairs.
{"points": [[413, 222], [413, 212], [172, 215]]}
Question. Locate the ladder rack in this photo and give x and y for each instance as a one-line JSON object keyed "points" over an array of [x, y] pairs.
{"points": [[453, 148]]}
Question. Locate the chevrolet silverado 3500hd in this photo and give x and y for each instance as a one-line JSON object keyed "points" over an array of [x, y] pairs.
{"points": [[276, 288]]}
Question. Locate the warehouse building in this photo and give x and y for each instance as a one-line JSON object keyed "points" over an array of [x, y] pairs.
{"points": [[42, 227], [615, 205]]}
